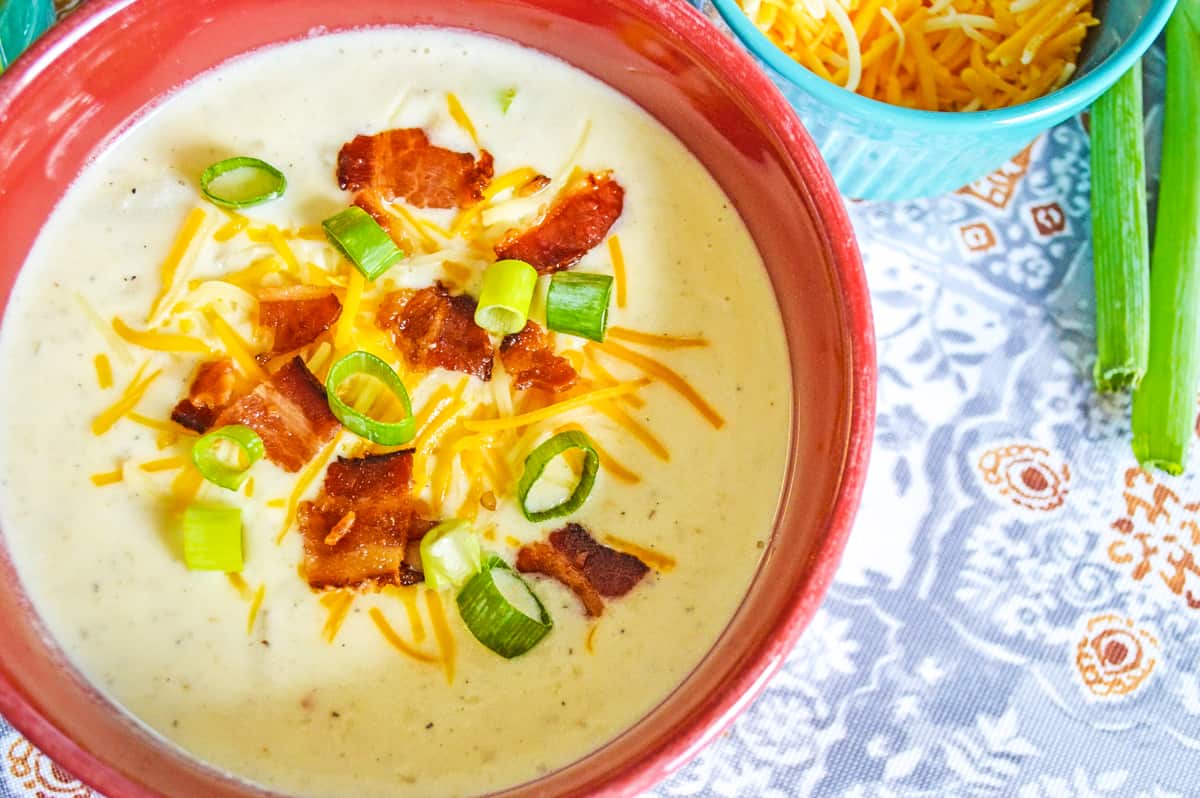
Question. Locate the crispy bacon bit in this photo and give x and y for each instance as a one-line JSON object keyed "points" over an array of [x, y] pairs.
{"points": [[613, 573], [402, 163], [590, 569], [297, 315], [433, 328], [577, 221], [542, 558], [375, 491], [211, 389], [289, 412], [340, 529], [529, 357]]}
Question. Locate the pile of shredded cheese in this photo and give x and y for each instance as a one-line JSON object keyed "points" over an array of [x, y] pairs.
{"points": [[934, 55]]}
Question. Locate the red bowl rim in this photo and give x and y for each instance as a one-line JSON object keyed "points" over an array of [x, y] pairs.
{"points": [[679, 19]]}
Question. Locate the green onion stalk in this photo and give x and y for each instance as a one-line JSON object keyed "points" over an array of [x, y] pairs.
{"points": [[1164, 405]]}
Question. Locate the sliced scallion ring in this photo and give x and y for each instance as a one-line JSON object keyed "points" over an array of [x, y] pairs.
{"points": [[504, 300], [212, 538], [388, 433], [502, 611], [577, 304], [364, 243], [212, 467], [450, 554], [242, 182], [536, 463]]}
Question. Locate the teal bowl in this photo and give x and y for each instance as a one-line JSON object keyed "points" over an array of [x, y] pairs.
{"points": [[22, 21], [884, 152]]}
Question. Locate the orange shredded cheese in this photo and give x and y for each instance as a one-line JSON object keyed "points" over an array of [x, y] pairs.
{"points": [[277, 503], [590, 642], [607, 461], [185, 487], [234, 346], [618, 265], [309, 473], [130, 397], [249, 491], [408, 595], [236, 224], [255, 606], [104, 376], [179, 250], [338, 604], [165, 427], [108, 478], [667, 375], [165, 464], [160, 342], [239, 584], [655, 559], [525, 419], [915, 53], [510, 540], [397, 642], [637, 429], [441, 631], [459, 115], [656, 340], [344, 331]]}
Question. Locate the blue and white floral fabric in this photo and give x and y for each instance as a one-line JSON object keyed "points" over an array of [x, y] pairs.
{"points": [[1018, 611]]}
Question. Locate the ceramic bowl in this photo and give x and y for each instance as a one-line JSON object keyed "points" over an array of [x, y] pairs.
{"points": [[885, 152], [112, 60]]}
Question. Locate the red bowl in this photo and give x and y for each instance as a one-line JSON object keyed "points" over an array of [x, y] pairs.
{"points": [[108, 62]]}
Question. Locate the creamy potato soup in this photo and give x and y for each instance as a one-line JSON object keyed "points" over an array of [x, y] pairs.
{"points": [[262, 572]]}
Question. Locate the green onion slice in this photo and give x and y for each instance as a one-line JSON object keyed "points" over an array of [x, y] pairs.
{"points": [[242, 182], [505, 98], [450, 554], [507, 293], [206, 455], [362, 241], [388, 433], [212, 538], [502, 611], [536, 463], [577, 304]]}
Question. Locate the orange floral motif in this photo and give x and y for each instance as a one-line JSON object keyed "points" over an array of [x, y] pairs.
{"points": [[1115, 656], [1158, 534], [1029, 476], [1049, 219], [998, 188], [41, 775], [977, 236]]}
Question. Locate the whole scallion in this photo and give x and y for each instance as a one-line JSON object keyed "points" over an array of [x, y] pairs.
{"points": [[1164, 406], [1120, 240]]}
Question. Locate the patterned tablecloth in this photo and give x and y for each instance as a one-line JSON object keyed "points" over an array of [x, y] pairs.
{"points": [[1018, 611]]}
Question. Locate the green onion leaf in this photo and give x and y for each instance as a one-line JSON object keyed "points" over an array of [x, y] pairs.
{"points": [[577, 304], [1164, 405], [507, 293], [207, 457], [536, 463], [502, 611], [1119, 235], [450, 554], [505, 98], [212, 538], [242, 182], [388, 433], [364, 243]]}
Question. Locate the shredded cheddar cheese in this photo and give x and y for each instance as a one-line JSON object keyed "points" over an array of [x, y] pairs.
{"points": [[667, 375], [459, 115], [655, 340], [525, 419], [235, 347], [618, 265], [310, 472], [655, 559], [161, 342], [129, 399], [104, 376], [408, 596], [108, 478], [239, 584], [174, 260], [590, 642], [611, 466], [236, 224], [255, 606], [344, 330], [397, 642], [951, 55], [185, 487], [165, 464], [338, 603], [441, 631]]}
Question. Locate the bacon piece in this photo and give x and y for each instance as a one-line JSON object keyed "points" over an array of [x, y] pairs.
{"points": [[432, 328], [542, 558], [297, 315], [590, 569], [613, 573], [211, 390], [375, 490], [402, 163], [529, 357], [577, 221], [289, 412]]}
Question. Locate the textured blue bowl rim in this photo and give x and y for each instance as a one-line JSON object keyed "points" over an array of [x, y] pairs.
{"points": [[1041, 113]]}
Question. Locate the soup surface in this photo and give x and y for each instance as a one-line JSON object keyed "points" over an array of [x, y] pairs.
{"points": [[260, 675]]}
